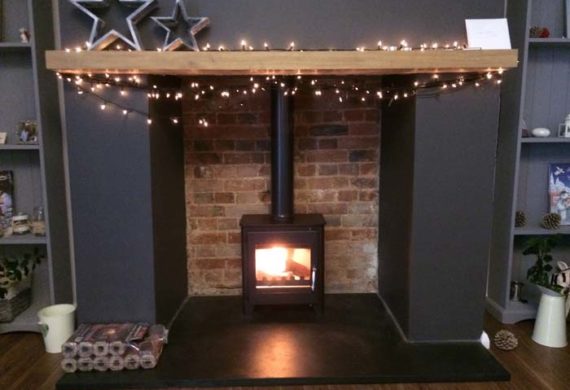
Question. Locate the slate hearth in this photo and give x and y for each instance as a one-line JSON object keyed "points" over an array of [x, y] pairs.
{"points": [[213, 345]]}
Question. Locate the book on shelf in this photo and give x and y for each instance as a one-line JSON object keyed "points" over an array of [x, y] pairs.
{"points": [[6, 199], [559, 191]]}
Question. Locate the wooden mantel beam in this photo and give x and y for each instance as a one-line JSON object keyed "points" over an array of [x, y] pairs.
{"points": [[246, 63]]}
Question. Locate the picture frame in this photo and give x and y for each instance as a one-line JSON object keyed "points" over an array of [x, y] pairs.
{"points": [[559, 191], [28, 132], [3, 137]]}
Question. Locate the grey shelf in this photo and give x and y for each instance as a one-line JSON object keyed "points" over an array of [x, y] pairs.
{"points": [[30, 92], [540, 231], [27, 321], [10, 46], [536, 42], [547, 140], [26, 239], [19, 147], [536, 94]]}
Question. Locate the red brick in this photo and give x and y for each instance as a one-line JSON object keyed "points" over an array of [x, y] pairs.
{"points": [[347, 196], [207, 264], [332, 116], [205, 211], [248, 197], [256, 184], [224, 197], [234, 238], [224, 145], [205, 250], [348, 169], [233, 263], [364, 128], [337, 234], [367, 196], [328, 170], [226, 119], [306, 170], [368, 169], [207, 238], [327, 156], [327, 208], [354, 115], [328, 144], [324, 183], [363, 183], [203, 198], [228, 224], [237, 158]]}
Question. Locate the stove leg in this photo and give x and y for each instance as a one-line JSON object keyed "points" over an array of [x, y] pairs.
{"points": [[247, 309]]}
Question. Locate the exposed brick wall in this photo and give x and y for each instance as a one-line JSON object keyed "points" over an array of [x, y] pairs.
{"points": [[228, 175]]}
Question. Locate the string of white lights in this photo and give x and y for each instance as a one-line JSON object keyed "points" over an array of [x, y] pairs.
{"points": [[344, 90]]}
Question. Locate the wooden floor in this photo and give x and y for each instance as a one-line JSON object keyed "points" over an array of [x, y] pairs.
{"points": [[25, 366]]}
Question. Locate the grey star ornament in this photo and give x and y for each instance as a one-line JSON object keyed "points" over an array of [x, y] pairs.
{"points": [[99, 41], [174, 40]]}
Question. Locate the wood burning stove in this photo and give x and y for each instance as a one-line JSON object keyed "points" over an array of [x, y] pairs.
{"points": [[282, 253]]}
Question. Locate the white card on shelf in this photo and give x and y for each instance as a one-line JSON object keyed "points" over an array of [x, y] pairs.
{"points": [[489, 34]]}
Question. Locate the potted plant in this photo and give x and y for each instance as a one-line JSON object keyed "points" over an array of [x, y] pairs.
{"points": [[15, 283], [550, 324]]}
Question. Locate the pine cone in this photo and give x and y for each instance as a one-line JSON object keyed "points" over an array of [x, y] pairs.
{"points": [[551, 221], [505, 340], [535, 32], [520, 219]]}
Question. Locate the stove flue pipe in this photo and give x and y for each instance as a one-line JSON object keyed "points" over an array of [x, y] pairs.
{"points": [[282, 127]]}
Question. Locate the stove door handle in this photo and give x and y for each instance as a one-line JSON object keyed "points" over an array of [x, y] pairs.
{"points": [[313, 278]]}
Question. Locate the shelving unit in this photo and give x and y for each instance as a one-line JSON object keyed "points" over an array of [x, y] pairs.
{"points": [[29, 92], [535, 94]]}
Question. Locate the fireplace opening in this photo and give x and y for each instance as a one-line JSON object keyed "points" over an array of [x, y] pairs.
{"points": [[282, 253]]}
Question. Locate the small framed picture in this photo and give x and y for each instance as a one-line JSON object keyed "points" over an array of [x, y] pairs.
{"points": [[3, 138], [28, 132]]}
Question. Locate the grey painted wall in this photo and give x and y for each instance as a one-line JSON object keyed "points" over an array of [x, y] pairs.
{"points": [[110, 176]]}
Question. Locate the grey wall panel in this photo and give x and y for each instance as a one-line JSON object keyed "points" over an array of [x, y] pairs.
{"points": [[549, 13], [15, 16], [396, 192], [548, 89], [456, 138], [311, 23], [507, 156], [51, 153], [168, 203], [111, 205], [16, 76]]}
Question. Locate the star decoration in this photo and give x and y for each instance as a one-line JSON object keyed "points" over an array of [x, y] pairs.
{"points": [[186, 38], [99, 40]]}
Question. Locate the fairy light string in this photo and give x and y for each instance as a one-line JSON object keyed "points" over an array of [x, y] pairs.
{"points": [[344, 90]]}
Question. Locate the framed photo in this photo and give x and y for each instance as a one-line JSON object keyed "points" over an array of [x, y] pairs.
{"points": [[28, 132], [559, 191], [3, 138]]}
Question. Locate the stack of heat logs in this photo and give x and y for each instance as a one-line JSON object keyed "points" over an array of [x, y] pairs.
{"points": [[114, 347]]}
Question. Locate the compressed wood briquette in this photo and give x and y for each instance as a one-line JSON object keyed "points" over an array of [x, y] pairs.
{"points": [[85, 364], [100, 348], [101, 363], [70, 348], [69, 365], [116, 363]]}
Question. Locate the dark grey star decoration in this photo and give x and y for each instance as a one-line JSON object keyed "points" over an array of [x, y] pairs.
{"points": [[181, 28], [99, 39]]}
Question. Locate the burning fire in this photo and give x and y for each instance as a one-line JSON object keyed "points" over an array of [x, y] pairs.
{"points": [[283, 262]]}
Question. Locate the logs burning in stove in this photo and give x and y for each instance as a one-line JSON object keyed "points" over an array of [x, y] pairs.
{"points": [[282, 253]]}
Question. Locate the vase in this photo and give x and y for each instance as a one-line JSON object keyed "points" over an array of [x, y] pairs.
{"points": [[550, 325]]}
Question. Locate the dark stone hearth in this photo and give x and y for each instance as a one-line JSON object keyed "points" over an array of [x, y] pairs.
{"points": [[329, 130], [355, 341]]}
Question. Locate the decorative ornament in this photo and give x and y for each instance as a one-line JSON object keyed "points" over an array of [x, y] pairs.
{"points": [[98, 40], [520, 219], [539, 32], [175, 38], [551, 221], [505, 340]]}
